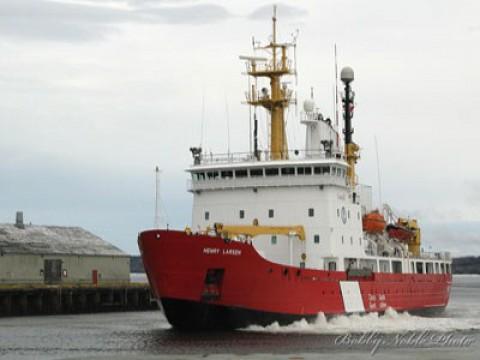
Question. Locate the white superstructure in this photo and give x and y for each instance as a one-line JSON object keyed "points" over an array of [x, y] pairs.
{"points": [[308, 192], [311, 192], [315, 188]]}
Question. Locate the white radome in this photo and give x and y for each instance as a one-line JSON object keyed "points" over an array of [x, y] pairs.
{"points": [[308, 106], [346, 75]]}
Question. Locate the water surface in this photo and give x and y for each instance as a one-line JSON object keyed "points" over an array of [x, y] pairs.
{"points": [[147, 335]]}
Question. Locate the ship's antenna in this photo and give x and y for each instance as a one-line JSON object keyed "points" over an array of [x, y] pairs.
{"points": [[378, 175], [294, 41], [295, 37], [203, 117], [277, 97], [228, 125], [274, 31], [336, 94], [249, 120], [158, 217], [334, 102]]}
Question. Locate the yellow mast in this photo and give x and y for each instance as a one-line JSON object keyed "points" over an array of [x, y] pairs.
{"points": [[279, 97]]}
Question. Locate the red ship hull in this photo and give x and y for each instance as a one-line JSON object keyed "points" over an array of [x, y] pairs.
{"points": [[205, 282]]}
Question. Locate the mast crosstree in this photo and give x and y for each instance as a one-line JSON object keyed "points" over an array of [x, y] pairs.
{"points": [[276, 99]]}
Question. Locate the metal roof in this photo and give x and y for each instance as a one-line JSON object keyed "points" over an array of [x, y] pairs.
{"points": [[39, 239]]}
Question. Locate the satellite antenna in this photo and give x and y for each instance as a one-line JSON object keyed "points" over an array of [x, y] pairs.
{"points": [[378, 175], [159, 219], [336, 94], [157, 198]]}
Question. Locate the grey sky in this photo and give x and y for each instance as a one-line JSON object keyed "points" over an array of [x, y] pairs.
{"points": [[94, 94]]}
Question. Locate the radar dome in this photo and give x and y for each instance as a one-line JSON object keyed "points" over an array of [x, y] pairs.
{"points": [[346, 75], [308, 106]]}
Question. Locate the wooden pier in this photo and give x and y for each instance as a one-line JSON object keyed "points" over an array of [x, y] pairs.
{"points": [[19, 300]]}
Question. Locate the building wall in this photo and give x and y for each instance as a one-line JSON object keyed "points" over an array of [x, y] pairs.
{"points": [[29, 268]]}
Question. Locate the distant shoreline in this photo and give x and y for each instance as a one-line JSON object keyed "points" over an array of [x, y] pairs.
{"points": [[466, 265]]}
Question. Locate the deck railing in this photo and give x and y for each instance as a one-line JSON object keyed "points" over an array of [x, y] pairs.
{"points": [[240, 157]]}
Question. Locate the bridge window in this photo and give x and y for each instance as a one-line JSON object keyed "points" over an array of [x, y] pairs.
{"points": [[212, 175], [227, 174], [274, 239], [351, 240], [317, 170], [241, 173], [413, 267], [437, 268], [419, 266], [342, 240], [242, 214], [288, 171], [304, 171], [207, 215], [198, 176], [429, 267], [311, 212], [271, 171], [442, 268], [384, 266], [338, 212], [334, 170], [316, 239], [270, 213], [397, 267], [448, 268], [326, 170], [256, 172]]}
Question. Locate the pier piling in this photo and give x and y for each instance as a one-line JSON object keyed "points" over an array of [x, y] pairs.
{"points": [[16, 300]]}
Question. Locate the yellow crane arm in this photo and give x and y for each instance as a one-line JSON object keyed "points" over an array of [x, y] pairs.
{"points": [[254, 230]]}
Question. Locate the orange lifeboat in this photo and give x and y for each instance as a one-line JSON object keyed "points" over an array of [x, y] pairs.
{"points": [[399, 232], [374, 222]]}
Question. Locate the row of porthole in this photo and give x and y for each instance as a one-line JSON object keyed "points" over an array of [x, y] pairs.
{"points": [[344, 214], [241, 214], [271, 213], [351, 240]]}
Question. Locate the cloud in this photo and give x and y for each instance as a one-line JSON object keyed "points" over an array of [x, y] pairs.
{"points": [[61, 21], [283, 10], [194, 14], [474, 28], [460, 238]]}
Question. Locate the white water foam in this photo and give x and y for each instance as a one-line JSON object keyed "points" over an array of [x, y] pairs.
{"points": [[389, 322]]}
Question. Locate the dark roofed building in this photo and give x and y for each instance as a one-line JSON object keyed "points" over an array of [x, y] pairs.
{"points": [[58, 254]]}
